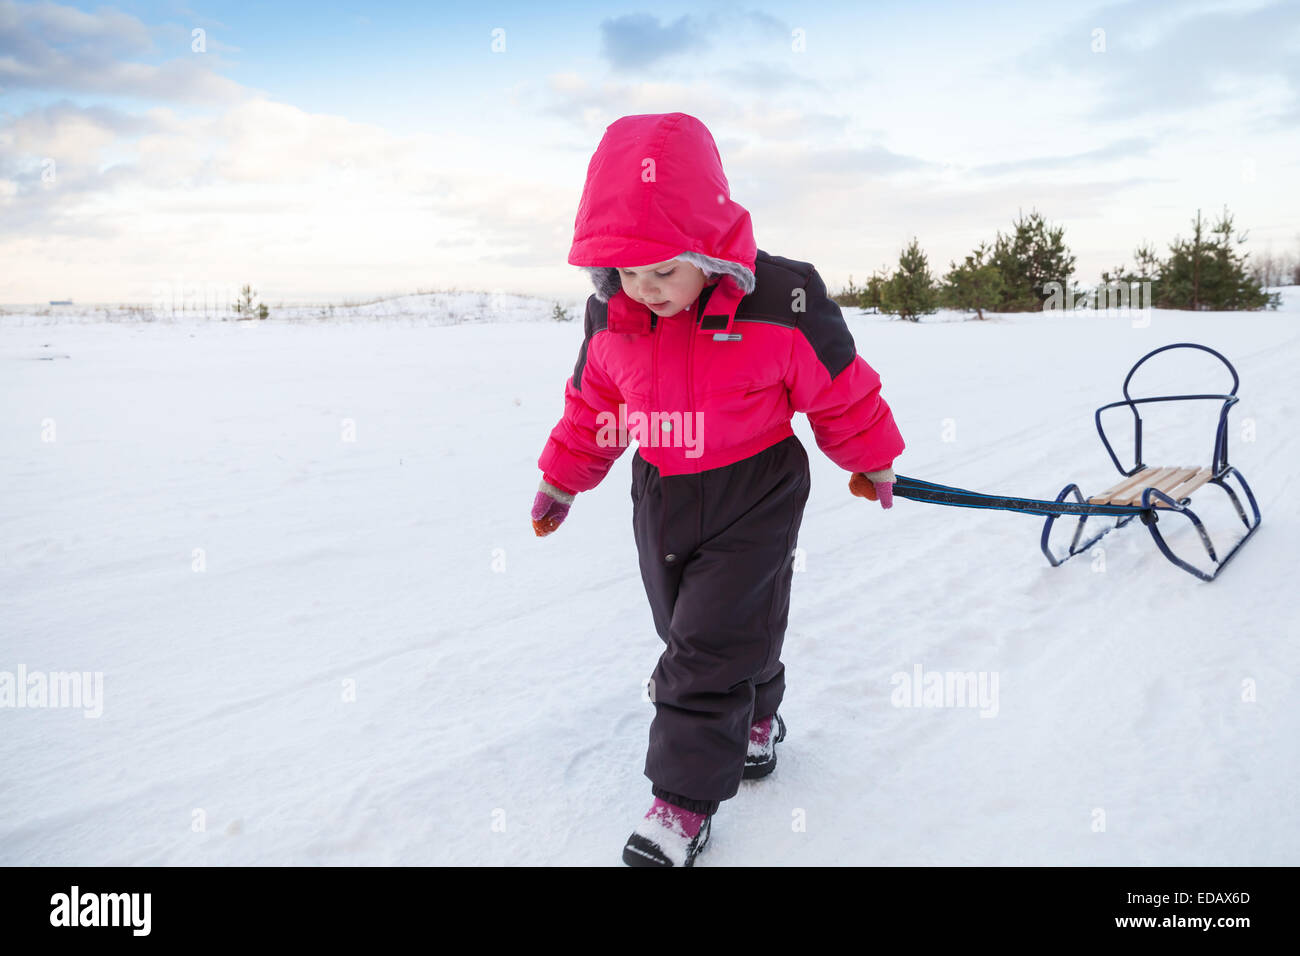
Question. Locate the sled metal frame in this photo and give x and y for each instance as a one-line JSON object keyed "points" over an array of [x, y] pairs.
{"points": [[1154, 501]]}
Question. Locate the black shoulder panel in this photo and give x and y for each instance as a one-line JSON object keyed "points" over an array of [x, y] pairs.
{"points": [[595, 320], [824, 327], [772, 300], [813, 313]]}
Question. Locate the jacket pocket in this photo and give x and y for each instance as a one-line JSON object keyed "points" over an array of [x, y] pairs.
{"points": [[739, 390]]}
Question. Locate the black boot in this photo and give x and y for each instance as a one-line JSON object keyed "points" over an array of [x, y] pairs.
{"points": [[761, 758], [664, 837]]}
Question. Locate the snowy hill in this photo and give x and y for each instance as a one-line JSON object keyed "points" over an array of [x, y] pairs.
{"points": [[429, 308], [299, 554]]}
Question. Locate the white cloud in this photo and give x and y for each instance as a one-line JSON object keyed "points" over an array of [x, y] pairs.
{"points": [[46, 46]]}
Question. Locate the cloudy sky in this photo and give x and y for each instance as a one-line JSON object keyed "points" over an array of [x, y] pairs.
{"points": [[325, 151]]}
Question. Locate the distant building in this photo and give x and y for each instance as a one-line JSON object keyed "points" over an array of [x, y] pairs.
{"points": [[60, 302]]}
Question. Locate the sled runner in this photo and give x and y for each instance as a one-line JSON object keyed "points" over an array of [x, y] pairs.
{"points": [[1146, 492]]}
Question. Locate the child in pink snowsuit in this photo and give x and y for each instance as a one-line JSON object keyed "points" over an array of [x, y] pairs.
{"points": [[701, 347]]}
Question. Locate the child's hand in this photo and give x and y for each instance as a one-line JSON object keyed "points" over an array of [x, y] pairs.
{"points": [[874, 485], [550, 507]]}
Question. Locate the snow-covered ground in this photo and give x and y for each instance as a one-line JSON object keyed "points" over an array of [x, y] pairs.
{"points": [[299, 554]]}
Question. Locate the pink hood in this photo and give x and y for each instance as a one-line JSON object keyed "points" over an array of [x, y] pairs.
{"points": [[655, 188]]}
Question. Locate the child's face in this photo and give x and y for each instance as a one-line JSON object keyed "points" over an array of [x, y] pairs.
{"points": [[666, 287]]}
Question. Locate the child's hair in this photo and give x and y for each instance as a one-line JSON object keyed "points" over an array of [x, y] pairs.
{"points": [[608, 283]]}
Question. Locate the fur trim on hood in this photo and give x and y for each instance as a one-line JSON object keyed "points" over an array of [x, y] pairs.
{"points": [[607, 282]]}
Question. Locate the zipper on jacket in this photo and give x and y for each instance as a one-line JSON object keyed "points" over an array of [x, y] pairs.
{"points": [[654, 403], [690, 381], [654, 365], [690, 404]]}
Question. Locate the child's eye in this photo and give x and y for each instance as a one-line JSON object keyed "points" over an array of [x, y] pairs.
{"points": [[662, 275]]}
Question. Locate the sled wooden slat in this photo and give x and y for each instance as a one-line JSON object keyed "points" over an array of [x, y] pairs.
{"points": [[1178, 483], [1188, 486], [1133, 494], [1105, 496], [1167, 485], [1164, 479], [1108, 496]]}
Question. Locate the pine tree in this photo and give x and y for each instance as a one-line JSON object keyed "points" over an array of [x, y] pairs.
{"points": [[1185, 269], [1207, 272], [1030, 258], [874, 296], [911, 291], [851, 296], [244, 304], [976, 284], [1117, 285]]}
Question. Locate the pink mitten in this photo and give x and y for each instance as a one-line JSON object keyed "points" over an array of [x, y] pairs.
{"points": [[550, 506], [874, 486]]}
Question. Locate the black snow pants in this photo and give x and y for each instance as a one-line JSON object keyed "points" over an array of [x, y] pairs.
{"points": [[716, 552]]}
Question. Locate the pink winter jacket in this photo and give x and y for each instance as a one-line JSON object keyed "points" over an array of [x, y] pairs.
{"points": [[720, 380], [709, 398]]}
